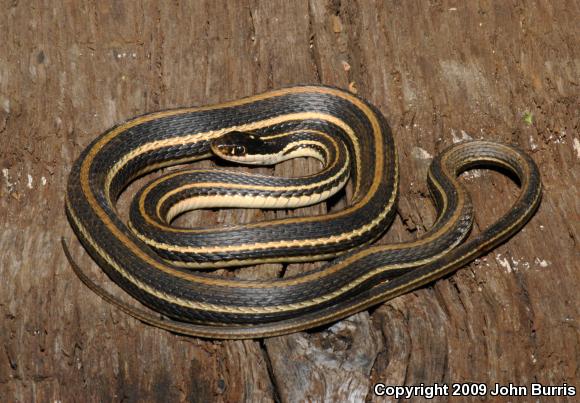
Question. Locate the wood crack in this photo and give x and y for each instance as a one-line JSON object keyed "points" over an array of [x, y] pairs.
{"points": [[312, 44], [272, 376]]}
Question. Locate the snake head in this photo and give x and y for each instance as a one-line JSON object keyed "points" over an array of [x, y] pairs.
{"points": [[242, 147]]}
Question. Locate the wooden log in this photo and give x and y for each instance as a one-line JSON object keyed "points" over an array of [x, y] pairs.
{"points": [[440, 72]]}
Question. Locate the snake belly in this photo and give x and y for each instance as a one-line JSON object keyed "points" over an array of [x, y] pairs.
{"points": [[204, 305]]}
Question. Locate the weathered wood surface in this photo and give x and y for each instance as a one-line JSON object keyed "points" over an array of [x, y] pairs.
{"points": [[440, 71]]}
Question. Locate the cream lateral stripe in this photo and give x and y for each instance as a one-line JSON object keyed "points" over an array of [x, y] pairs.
{"points": [[200, 185], [266, 245], [371, 249], [368, 113], [174, 191], [159, 180], [168, 163], [226, 185], [123, 239], [237, 201], [308, 143], [174, 112], [205, 203], [249, 262], [244, 309], [217, 184], [198, 137], [306, 152], [379, 248], [284, 134]]}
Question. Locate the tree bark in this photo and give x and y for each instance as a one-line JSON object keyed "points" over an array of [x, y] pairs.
{"points": [[440, 71]]}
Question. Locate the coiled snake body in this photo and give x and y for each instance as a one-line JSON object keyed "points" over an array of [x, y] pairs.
{"points": [[153, 260]]}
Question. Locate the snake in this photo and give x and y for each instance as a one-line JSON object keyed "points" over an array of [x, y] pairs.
{"points": [[170, 269]]}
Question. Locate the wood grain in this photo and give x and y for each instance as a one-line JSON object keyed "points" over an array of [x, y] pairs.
{"points": [[440, 71]]}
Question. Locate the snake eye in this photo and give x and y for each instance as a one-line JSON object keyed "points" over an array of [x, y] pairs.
{"points": [[238, 150]]}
